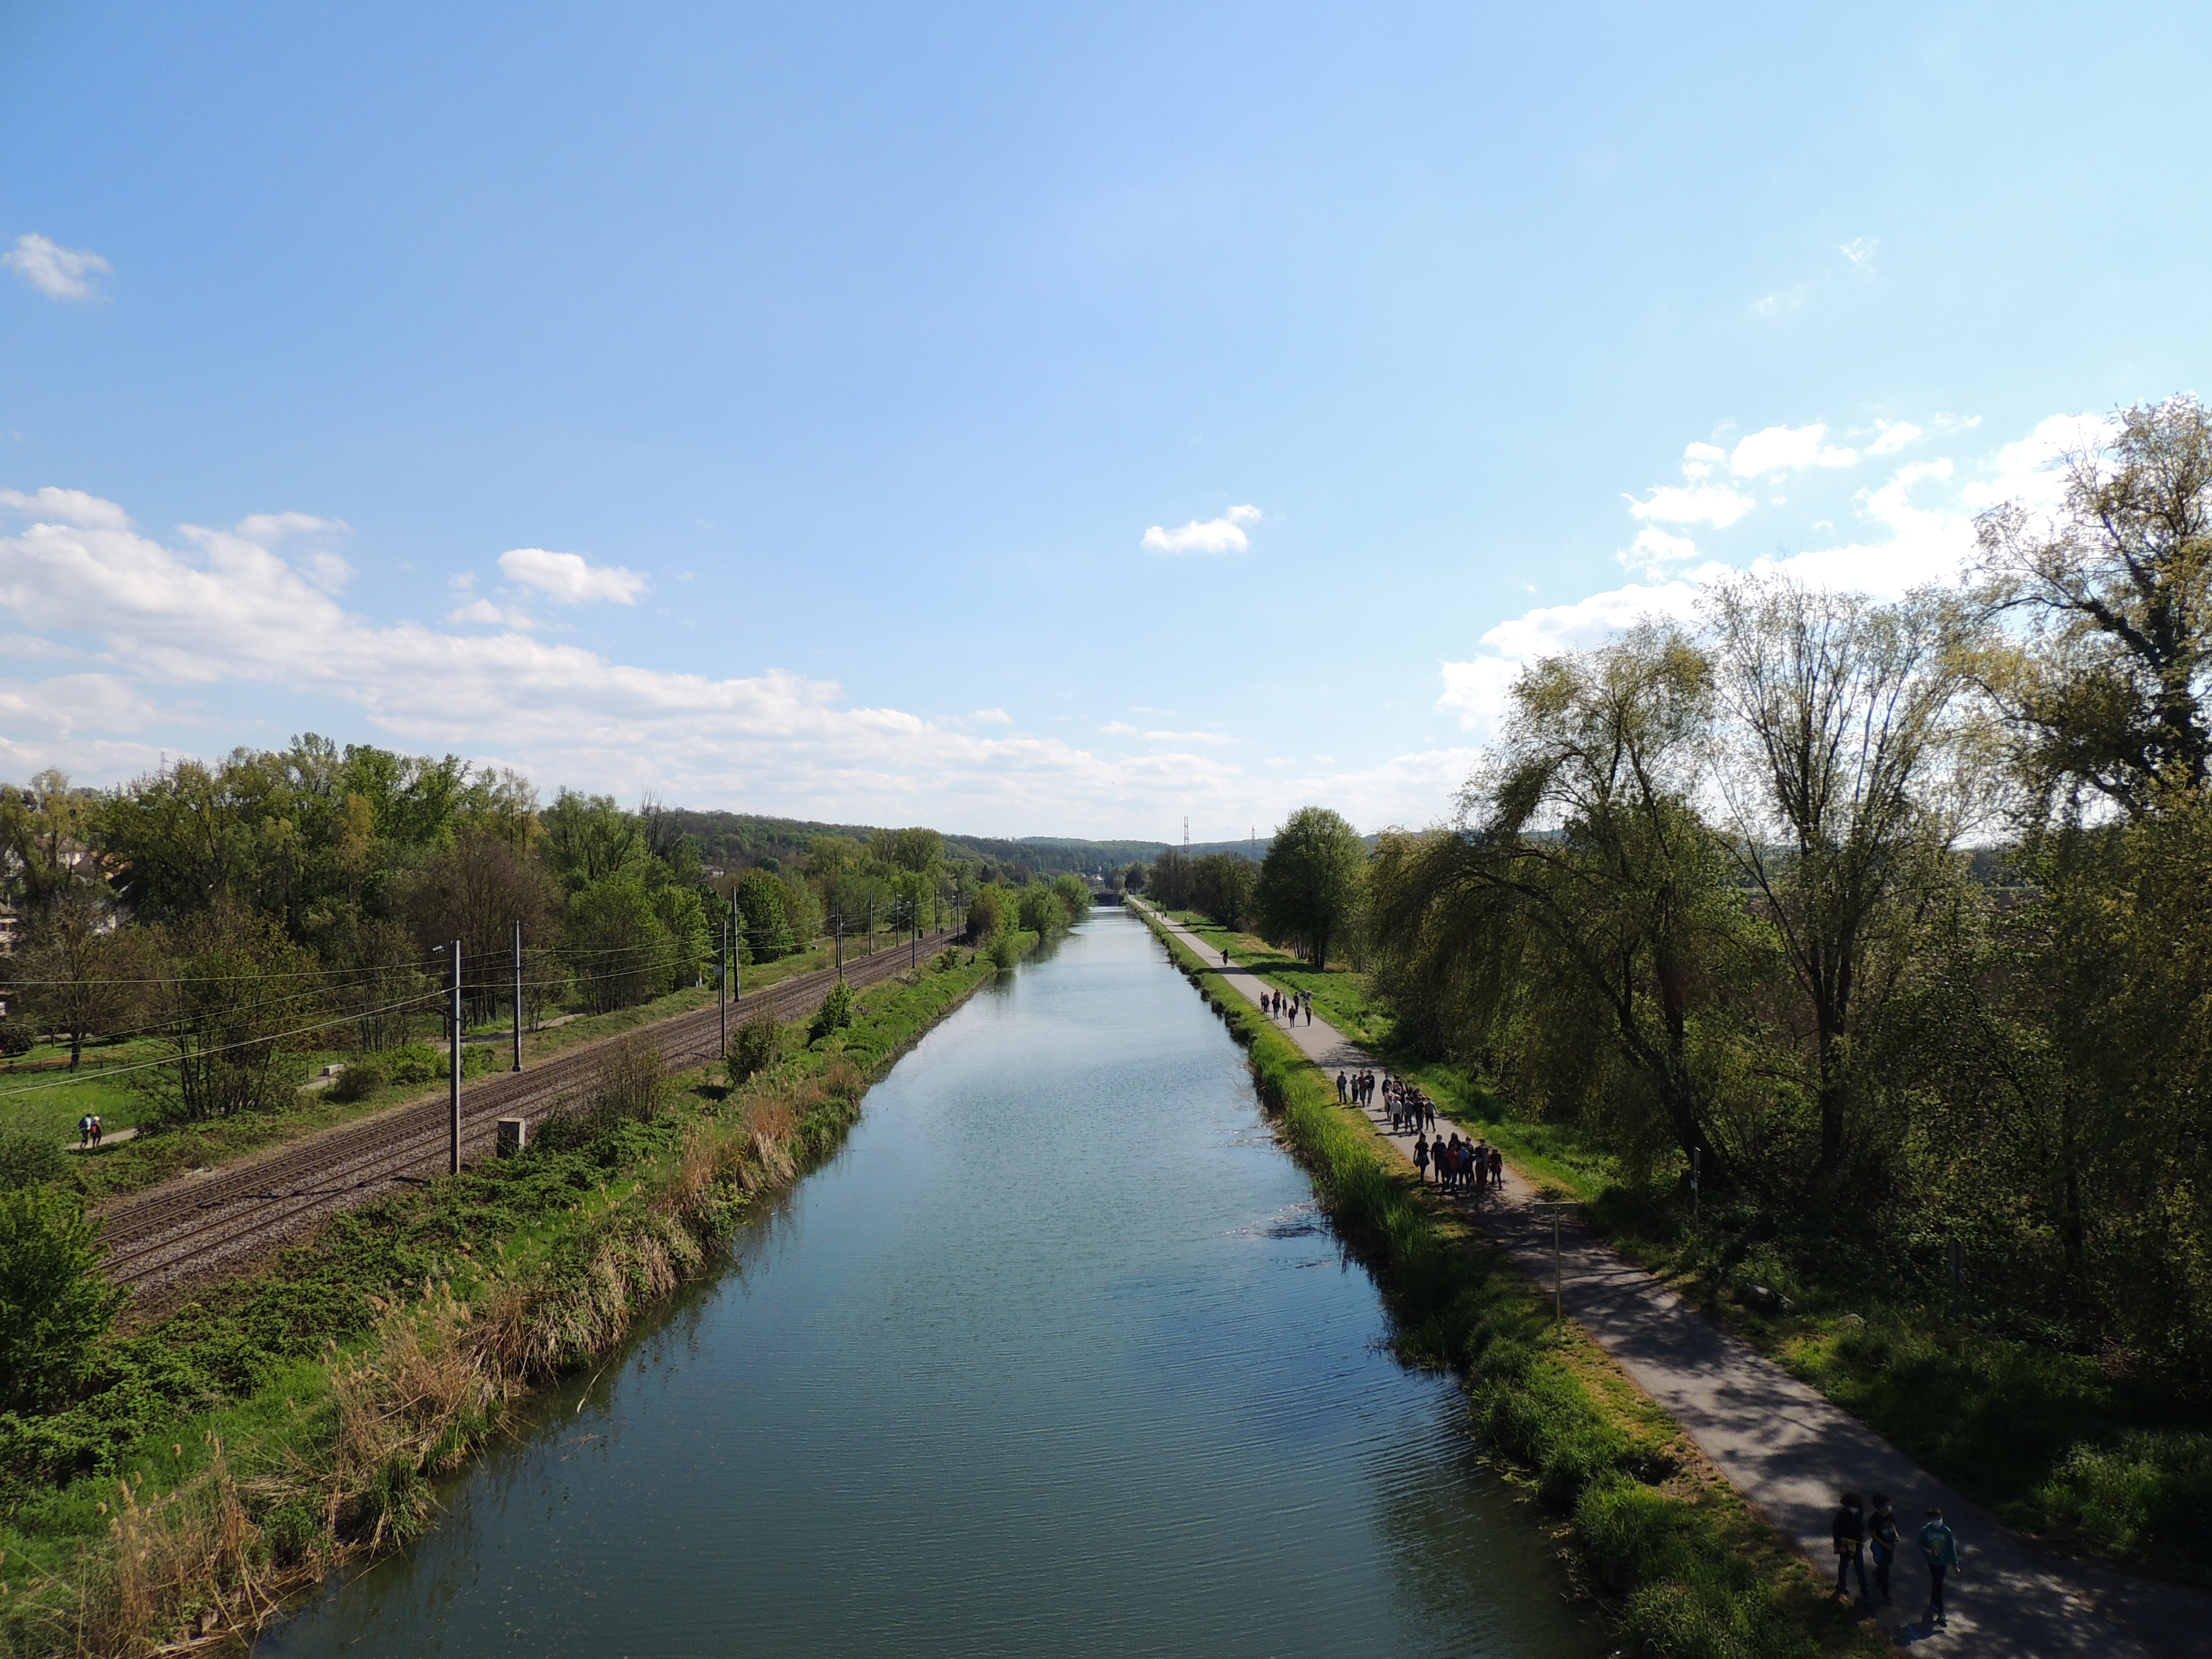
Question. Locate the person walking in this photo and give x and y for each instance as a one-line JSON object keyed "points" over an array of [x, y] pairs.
{"points": [[1882, 1544], [1342, 1093], [1939, 1548], [1848, 1529], [84, 1131], [1421, 1159], [1497, 1167]]}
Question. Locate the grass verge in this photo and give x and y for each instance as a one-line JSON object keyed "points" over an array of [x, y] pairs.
{"points": [[1682, 1563], [231, 1453]]}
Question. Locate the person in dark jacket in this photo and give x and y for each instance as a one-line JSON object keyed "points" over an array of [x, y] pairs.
{"points": [[1849, 1531], [1882, 1544]]}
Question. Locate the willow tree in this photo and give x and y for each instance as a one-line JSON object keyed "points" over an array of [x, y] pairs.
{"points": [[1844, 794], [1576, 899]]}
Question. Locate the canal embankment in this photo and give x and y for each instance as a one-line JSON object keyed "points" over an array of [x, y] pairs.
{"points": [[235, 1451], [1683, 1563]]}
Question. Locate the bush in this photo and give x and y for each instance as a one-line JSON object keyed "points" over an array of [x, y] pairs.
{"points": [[29, 1160], [2149, 1495], [1003, 954], [360, 1079], [835, 1013], [414, 1062], [759, 1040], [54, 1302], [631, 1084], [16, 1038]]}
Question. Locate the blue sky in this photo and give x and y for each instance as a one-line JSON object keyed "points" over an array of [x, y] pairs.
{"points": [[769, 407]]}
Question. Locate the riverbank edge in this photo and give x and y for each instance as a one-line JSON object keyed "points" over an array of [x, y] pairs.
{"points": [[1681, 1563], [204, 1539]]}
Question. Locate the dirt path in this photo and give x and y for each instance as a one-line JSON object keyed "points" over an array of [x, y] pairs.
{"points": [[1788, 1452]]}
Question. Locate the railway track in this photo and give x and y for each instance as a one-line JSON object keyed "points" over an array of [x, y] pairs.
{"points": [[187, 1228]]}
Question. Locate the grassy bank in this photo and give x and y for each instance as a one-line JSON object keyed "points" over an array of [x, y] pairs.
{"points": [[1682, 1562], [2063, 1445], [229, 1454]]}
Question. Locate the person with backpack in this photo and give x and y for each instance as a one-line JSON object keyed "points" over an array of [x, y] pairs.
{"points": [[1939, 1548], [1882, 1544], [84, 1131], [1848, 1529]]}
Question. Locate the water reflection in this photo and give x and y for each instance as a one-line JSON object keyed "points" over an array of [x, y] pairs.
{"points": [[1056, 1356]]}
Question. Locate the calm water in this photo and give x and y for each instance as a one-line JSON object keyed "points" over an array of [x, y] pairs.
{"points": [[1055, 1358]]}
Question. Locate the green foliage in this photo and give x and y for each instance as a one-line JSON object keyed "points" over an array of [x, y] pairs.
{"points": [[760, 900], [1003, 952], [54, 1302], [360, 1078], [16, 1039], [1311, 882], [28, 1159], [1037, 909], [987, 913], [2148, 1497], [835, 1013], [590, 841], [234, 1002], [619, 948], [760, 1041], [917, 851], [1074, 894], [631, 1084], [1169, 880], [1225, 887]]}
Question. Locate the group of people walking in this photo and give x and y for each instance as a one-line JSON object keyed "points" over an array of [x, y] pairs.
{"points": [[1279, 1004], [1859, 1532], [88, 1129], [1461, 1165]]}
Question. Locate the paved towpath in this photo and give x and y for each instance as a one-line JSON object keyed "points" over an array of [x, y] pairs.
{"points": [[1788, 1452]]}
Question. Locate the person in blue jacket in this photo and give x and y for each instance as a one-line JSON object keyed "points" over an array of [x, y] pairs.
{"points": [[1939, 1548]]}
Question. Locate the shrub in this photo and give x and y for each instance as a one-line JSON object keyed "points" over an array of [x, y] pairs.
{"points": [[631, 1083], [54, 1302], [1002, 954], [29, 1160], [759, 1040], [2149, 1494], [414, 1062], [985, 912], [835, 1013], [16, 1038], [360, 1079]]}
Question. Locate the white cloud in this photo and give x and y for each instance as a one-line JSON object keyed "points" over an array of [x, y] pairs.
{"points": [[993, 716], [1860, 251], [1654, 550], [1713, 504], [72, 507], [572, 579], [1915, 528], [1783, 449], [1223, 535], [1788, 299], [180, 635], [57, 272], [485, 613]]}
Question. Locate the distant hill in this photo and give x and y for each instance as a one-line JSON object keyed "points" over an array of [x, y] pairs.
{"points": [[733, 839]]}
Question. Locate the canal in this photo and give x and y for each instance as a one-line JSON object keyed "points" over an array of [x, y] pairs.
{"points": [[1055, 1356]]}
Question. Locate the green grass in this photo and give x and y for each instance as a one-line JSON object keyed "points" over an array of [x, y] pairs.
{"points": [[244, 1368], [1685, 1567]]}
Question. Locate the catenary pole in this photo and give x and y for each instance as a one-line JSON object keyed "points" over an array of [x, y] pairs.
{"points": [[453, 1068], [518, 993]]}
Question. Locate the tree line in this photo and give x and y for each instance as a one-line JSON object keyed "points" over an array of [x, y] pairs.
{"points": [[1891, 919], [240, 912]]}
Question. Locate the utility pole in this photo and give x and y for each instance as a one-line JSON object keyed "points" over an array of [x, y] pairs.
{"points": [[518, 994], [838, 927], [872, 918], [453, 1066], [737, 951], [722, 988]]}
